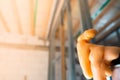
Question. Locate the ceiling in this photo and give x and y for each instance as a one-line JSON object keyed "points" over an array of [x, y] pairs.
{"points": [[25, 17], [37, 17]]}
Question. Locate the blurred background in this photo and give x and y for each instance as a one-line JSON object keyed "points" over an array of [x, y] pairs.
{"points": [[38, 37]]}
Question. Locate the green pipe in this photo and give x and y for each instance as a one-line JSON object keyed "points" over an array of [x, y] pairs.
{"points": [[100, 9], [35, 12], [96, 14]]}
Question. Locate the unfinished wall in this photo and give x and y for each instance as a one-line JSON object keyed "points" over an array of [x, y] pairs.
{"points": [[22, 64]]}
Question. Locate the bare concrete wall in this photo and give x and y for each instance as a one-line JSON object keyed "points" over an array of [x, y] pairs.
{"points": [[21, 64]]}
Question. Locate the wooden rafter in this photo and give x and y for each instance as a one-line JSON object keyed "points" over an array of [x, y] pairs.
{"points": [[32, 17], [4, 22], [17, 16]]}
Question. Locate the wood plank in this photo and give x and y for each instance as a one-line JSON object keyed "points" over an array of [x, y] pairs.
{"points": [[9, 18], [32, 6], [25, 10], [3, 25], [15, 10], [43, 16]]}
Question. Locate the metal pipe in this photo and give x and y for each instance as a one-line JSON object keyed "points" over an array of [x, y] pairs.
{"points": [[85, 18], [51, 35], [52, 17], [105, 9], [51, 66], [63, 61], [115, 27], [71, 55], [109, 22], [100, 9], [53, 27], [62, 38]]}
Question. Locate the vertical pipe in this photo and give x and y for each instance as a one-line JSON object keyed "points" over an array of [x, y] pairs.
{"points": [[51, 34], [85, 18], [54, 10], [51, 68], [71, 55], [63, 61], [62, 38]]}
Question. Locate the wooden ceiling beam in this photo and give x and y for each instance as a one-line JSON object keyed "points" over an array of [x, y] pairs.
{"points": [[32, 17], [23, 46], [15, 10], [5, 25]]}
